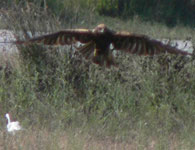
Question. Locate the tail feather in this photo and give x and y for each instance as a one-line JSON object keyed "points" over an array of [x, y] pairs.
{"points": [[107, 60], [87, 50]]}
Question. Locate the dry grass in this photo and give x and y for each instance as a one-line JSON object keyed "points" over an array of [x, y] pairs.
{"points": [[36, 139]]}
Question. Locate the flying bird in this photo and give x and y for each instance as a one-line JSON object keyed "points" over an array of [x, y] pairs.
{"points": [[12, 127], [97, 43]]}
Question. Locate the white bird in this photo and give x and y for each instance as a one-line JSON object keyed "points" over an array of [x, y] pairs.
{"points": [[12, 127]]}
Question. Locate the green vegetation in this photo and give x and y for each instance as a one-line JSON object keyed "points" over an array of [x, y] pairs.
{"points": [[163, 11], [63, 101]]}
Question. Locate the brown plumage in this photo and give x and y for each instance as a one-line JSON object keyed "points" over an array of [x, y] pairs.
{"points": [[97, 43]]}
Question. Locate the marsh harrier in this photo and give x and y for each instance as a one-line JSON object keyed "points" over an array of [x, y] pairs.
{"points": [[96, 43]]}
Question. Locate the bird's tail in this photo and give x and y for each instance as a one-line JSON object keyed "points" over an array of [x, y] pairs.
{"points": [[90, 52], [104, 59], [87, 50]]}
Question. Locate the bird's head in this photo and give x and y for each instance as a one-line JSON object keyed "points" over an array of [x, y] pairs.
{"points": [[7, 115], [101, 28]]}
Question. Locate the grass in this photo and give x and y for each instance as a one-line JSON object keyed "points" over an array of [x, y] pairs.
{"points": [[44, 139], [65, 102], [77, 139]]}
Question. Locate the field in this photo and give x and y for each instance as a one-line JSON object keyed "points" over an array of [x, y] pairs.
{"points": [[65, 102]]}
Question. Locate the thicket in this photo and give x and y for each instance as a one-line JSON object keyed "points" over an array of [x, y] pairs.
{"points": [[163, 11]]}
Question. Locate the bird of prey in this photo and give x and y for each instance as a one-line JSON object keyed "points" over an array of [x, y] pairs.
{"points": [[97, 43]]}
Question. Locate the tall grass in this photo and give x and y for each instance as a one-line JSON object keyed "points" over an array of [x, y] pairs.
{"points": [[146, 102]]}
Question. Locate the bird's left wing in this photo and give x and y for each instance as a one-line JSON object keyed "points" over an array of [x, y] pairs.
{"points": [[69, 36], [142, 45]]}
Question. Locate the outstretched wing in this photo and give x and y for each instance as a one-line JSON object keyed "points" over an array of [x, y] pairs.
{"points": [[142, 45], [69, 36]]}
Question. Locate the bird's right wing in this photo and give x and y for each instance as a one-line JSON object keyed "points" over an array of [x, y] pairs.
{"points": [[64, 37]]}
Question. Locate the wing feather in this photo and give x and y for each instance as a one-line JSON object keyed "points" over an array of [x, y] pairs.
{"points": [[142, 45], [65, 37]]}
